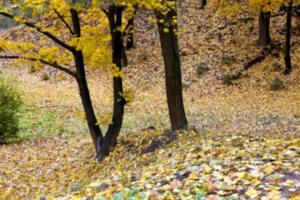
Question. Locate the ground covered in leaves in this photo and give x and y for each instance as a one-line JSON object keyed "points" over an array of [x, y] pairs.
{"points": [[195, 166], [242, 143]]}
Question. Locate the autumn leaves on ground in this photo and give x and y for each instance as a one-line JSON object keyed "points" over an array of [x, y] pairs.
{"points": [[242, 141]]}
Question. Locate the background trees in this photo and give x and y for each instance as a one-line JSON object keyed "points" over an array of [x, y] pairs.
{"points": [[267, 10]]}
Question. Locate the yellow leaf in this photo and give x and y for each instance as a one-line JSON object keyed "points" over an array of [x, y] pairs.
{"points": [[252, 193], [193, 176], [274, 195]]}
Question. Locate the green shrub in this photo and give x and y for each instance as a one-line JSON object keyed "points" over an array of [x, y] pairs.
{"points": [[44, 76], [227, 79], [10, 103], [228, 60], [201, 69], [276, 84]]}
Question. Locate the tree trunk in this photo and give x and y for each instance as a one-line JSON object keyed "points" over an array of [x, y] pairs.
{"points": [[129, 30], [94, 128], [110, 139], [287, 54], [130, 33], [264, 29], [170, 52], [298, 17], [203, 4]]}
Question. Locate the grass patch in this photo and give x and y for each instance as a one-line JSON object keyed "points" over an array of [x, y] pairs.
{"points": [[46, 122], [228, 59], [201, 69], [227, 79]]}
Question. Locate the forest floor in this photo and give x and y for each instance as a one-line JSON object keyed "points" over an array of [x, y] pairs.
{"points": [[242, 142]]}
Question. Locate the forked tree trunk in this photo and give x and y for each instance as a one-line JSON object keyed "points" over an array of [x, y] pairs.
{"points": [[170, 51], [103, 144], [287, 53], [264, 37], [110, 139]]}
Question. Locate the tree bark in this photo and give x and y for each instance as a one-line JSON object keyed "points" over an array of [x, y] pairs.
{"points": [[298, 17], [94, 128], [203, 4], [264, 37], [129, 30], [110, 139], [84, 92], [287, 54], [170, 52], [130, 34]]}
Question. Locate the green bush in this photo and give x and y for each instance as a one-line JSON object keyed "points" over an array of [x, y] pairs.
{"points": [[201, 69], [276, 84], [10, 103], [227, 79], [228, 60], [45, 76]]}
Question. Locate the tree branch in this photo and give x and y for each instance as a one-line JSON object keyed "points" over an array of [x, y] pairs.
{"points": [[46, 33], [54, 65], [64, 21]]}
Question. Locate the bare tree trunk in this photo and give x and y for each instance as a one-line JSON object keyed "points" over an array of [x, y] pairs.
{"points": [[130, 34], [264, 29], [94, 128], [203, 3], [287, 56], [84, 92], [110, 139], [170, 51], [129, 30]]}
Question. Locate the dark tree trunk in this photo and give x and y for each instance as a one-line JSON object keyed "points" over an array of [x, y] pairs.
{"points": [[287, 54], [130, 33], [264, 29], [87, 103], [94, 128], [170, 52], [203, 4], [129, 30], [110, 139], [298, 17]]}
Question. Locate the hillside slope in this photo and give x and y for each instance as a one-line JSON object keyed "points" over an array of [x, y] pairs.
{"points": [[243, 141]]}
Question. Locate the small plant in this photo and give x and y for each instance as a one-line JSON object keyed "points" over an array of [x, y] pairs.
{"points": [[201, 69], [251, 27], [45, 76], [143, 56], [276, 84], [276, 66], [32, 69], [10, 103], [228, 60], [227, 79]]}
